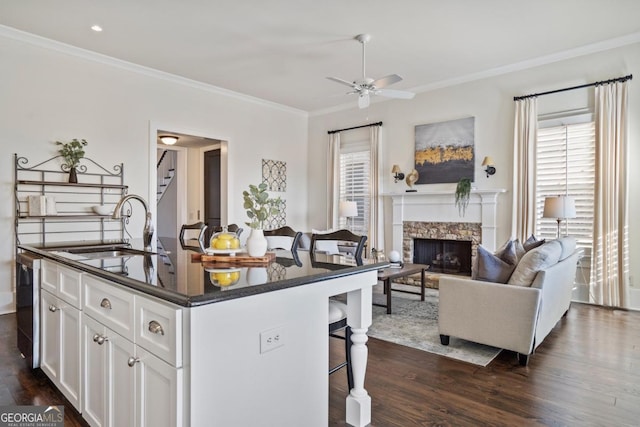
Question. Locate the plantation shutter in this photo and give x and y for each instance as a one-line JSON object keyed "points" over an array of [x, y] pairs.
{"points": [[355, 172], [566, 166]]}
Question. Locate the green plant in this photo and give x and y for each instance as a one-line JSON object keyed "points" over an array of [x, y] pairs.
{"points": [[259, 205], [463, 192], [72, 151]]}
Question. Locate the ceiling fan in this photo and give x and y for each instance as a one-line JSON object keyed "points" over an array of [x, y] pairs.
{"points": [[366, 86]]}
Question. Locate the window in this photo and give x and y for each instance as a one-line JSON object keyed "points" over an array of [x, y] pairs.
{"points": [[355, 171], [565, 158]]}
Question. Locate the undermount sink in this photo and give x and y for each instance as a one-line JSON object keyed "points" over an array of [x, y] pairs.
{"points": [[94, 253]]}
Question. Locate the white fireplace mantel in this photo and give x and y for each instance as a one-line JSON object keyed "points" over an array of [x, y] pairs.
{"points": [[439, 206]]}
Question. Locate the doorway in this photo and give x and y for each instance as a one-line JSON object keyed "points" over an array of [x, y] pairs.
{"points": [[199, 191]]}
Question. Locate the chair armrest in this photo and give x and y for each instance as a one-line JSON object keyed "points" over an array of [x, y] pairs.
{"points": [[502, 316]]}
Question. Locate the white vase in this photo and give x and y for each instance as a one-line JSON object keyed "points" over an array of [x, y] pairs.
{"points": [[256, 243]]}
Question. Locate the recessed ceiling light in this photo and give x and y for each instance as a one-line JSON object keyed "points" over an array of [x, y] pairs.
{"points": [[96, 28]]}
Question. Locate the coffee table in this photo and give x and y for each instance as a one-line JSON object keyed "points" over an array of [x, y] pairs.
{"points": [[390, 273]]}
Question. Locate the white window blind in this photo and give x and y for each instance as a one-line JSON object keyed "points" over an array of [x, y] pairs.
{"points": [[565, 164], [355, 172]]}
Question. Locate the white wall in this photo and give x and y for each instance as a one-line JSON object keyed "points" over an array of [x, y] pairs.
{"points": [[490, 101], [49, 92]]}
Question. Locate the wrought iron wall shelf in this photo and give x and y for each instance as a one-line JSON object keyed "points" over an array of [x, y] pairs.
{"points": [[69, 215]]}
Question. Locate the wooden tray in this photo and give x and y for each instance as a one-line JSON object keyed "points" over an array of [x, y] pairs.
{"points": [[236, 259]]}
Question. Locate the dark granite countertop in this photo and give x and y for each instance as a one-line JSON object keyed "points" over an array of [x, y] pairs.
{"points": [[175, 278]]}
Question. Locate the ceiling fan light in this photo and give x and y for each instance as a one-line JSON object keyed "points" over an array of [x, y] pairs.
{"points": [[363, 100]]}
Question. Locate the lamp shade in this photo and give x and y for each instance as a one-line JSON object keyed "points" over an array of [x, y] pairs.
{"points": [[488, 161], [395, 169], [560, 207], [348, 209]]}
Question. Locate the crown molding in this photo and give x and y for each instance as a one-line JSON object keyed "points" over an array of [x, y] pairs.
{"points": [[45, 43]]}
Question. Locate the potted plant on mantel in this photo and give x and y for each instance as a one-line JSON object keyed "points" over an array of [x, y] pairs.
{"points": [[463, 193], [260, 207], [72, 152]]}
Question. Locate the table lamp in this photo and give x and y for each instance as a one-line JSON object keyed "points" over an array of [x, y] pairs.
{"points": [[559, 207], [348, 209]]}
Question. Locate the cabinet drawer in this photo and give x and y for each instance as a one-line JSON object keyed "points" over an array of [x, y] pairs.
{"points": [[159, 329], [109, 305], [69, 285], [49, 276], [63, 282]]}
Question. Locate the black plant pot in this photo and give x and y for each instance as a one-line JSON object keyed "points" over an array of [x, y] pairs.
{"points": [[73, 176]]}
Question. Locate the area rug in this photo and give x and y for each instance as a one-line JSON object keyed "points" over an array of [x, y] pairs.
{"points": [[414, 323]]}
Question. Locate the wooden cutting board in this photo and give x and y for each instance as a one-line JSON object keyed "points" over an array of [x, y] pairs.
{"points": [[235, 259]]}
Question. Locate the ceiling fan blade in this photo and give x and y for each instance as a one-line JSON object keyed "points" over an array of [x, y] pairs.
{"points": [[344, 82], [363, 100], [386, 81], [400, 94]]}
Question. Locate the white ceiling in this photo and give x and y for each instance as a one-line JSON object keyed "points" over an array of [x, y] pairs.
{"points": [[282, 50]]}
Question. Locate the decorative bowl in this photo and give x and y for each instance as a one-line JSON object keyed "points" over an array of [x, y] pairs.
{"points": [[102, 209], [224, 242]]}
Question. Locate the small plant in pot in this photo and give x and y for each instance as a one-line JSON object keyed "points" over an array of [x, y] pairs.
{"points": [[72, 152], [463, 193], [260, 207]]}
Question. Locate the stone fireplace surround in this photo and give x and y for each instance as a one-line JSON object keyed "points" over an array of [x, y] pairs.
{"points": [[433, 215], [468, 231]]}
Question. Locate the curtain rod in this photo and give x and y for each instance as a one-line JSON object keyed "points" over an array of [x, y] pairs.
{"points": [[604, 82], [355, 127]]}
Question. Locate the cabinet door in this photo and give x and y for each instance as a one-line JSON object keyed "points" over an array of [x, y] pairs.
{"points": [[122, 375], [160, 391], [94, 400], [70, 362], [50, 335]]}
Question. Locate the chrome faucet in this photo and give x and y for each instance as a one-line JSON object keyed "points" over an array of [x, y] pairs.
{"points": [[147, 232]]}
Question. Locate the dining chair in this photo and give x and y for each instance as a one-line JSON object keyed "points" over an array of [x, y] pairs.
{"points": [[283, 238], [192, 236], [328, 242]]}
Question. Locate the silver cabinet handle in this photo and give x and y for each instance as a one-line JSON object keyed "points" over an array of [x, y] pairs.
{"points": [[53, 308], [132, 361], [105, 303], [155, 328], [100, 339]]}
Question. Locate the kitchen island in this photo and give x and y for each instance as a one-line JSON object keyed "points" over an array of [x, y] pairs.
{"points": [[251, 353]]}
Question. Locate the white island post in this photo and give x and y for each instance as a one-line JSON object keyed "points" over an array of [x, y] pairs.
{"points": [[263, 359]]}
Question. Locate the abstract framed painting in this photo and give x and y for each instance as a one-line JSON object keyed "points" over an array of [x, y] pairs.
{"points": [[445, 151]]}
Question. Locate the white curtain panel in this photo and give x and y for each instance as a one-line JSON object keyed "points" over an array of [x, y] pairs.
{"points": [[375, 238], [333, 181], [524, 168], [610, 257]]}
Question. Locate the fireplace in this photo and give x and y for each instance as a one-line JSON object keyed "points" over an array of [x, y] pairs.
{"points": [[443, 255]]}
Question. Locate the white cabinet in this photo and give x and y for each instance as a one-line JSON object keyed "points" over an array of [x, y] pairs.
{"points": [[109, 387], [61, 329], [159, 397], [130, 347], [116, 354]]}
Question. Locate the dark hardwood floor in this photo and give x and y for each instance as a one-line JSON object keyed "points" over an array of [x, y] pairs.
{"points": [[586, 373]]}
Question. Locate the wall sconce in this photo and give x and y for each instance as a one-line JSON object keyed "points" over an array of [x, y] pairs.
{"points": [[397, 175], [490, 169], [168, 139]]}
